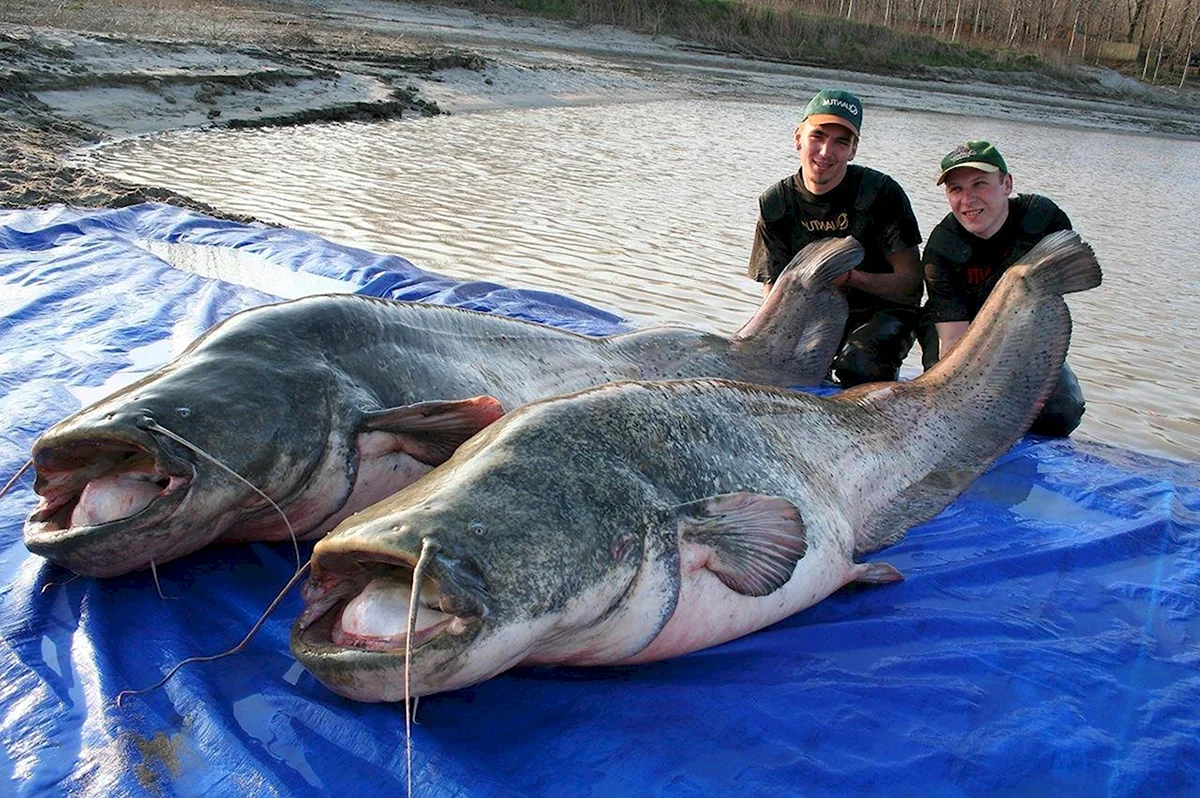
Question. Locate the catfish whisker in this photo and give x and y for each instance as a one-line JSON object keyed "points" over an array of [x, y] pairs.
{"points": [[428, 547], [241, 645], [16, 476], [154, 426], [157, 585], [63, 583]]}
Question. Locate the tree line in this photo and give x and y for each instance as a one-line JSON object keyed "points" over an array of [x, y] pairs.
{"points": [[1154, 40], [1156, 37]]}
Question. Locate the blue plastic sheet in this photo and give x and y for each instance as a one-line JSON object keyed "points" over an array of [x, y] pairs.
{"points": [[1044, 640]]}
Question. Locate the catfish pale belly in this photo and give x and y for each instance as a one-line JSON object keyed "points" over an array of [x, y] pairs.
{"points": [[681, 514], [321, 406]]}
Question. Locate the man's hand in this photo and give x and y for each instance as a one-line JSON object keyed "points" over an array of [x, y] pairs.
{"points": [[904, 285], [949, 333]]}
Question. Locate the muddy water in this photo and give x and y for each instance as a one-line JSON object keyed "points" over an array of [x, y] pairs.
{"points": [[648, 209]]}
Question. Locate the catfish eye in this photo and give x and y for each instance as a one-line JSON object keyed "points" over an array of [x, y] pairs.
{"points": [[476, 528], [183, 412]]}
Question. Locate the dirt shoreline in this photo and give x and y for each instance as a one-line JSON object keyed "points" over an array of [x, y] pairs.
{"points": [[75, 74], [133, 68]]}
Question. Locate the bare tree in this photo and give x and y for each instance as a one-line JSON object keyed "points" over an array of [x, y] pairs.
{"points": [[1139, 8], [1150, 44], [1187, 62], [1075, 29]]}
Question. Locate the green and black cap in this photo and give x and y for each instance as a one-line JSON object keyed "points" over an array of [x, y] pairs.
{"points": [[836, 106], [979, 155]]}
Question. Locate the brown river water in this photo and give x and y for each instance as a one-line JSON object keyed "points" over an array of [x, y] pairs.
{"points": [[647, 209]]}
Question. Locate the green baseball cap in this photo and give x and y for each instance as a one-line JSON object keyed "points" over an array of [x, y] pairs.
{"points": [[979, 155], [832, 105]]}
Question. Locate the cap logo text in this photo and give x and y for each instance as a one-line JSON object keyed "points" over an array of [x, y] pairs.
{"points": [[851, 107]]}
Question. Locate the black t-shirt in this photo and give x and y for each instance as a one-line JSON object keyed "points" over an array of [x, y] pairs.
{"points": [[961, 269], [790, 216]]}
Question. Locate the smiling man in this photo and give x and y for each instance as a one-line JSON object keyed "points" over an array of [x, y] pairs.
{"points": [[828, 198], [986, 231]]}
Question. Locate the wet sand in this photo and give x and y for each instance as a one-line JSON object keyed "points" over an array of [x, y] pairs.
{"points": [[108, 70]]}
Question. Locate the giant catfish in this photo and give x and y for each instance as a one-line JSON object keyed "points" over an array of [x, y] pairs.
{"points": [[643, 520], [318, 407]]}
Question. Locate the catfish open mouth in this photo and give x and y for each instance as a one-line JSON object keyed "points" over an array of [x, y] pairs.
{"points": [[89, 484], [357, 605]]}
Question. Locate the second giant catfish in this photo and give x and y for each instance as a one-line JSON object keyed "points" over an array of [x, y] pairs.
{"points": [[644, 520]]}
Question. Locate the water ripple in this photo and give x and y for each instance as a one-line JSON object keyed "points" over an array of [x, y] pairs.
{"points": [[649, 209]]}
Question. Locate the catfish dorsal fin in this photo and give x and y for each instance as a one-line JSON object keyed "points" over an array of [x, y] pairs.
{"points": [[754, 540], [432, 431]]}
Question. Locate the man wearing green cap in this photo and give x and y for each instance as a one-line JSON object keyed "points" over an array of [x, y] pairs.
{"points": [[985, 232], [828, 198]]}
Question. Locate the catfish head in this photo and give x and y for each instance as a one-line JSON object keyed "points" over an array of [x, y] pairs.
{"points": [[539, 548], [566, 533], [245, 436]]}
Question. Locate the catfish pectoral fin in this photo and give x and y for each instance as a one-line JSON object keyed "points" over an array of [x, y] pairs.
{"points": [[432, 431], [754, 541]]}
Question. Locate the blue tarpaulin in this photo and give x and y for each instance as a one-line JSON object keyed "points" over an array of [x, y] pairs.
{"points": [[1044, 641]]}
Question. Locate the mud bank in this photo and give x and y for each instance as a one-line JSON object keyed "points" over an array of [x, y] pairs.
{"points": [[63, 89]]}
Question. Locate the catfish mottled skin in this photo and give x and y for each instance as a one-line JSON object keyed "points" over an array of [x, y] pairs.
{"points": [[329, 403], [643, 520]]}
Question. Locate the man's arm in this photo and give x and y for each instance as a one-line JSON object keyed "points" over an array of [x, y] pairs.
{"points": [[949, 332], [899, 236], [903, 285], [947, 307], [768, 256]]}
